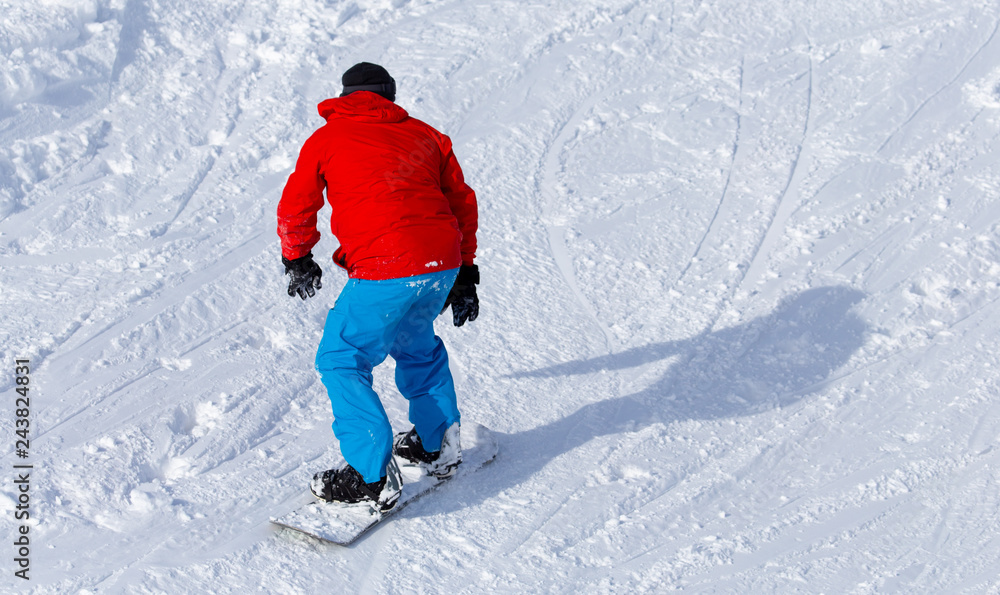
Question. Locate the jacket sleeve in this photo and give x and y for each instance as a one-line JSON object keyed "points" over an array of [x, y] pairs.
{"points": [[301, 199], [462, 200]]}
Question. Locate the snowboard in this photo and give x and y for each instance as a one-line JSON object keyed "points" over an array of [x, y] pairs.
{"points": [[343, 524]]}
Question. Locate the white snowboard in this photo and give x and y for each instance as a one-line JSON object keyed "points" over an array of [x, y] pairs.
{"points": [[342, 524]]}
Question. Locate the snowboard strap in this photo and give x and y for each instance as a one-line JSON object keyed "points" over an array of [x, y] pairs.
{"points": [[364, 489]]}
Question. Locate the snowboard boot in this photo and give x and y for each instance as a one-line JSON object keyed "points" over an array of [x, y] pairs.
{"points": [[442, 463], [346, 485]]}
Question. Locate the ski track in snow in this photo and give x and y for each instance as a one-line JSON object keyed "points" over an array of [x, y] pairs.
{"points": [[741, 272]]}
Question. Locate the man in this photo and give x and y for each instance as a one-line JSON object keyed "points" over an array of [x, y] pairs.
{"points": [[406, 222]]}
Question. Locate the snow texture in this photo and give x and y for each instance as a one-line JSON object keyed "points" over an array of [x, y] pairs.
{"points": [[741, 272]]}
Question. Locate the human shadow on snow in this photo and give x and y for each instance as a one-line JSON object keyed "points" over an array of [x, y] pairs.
{"points": [[769, 362]]}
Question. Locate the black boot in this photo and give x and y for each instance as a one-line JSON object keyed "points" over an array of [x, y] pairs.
{"points": [[346, 485], [441, 463]]}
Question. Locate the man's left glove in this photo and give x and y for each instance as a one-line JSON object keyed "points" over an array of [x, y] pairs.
{"points": [[463, 299], [305, 275]]}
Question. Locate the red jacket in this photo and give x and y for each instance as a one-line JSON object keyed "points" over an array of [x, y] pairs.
{"points": [[400, 204]]}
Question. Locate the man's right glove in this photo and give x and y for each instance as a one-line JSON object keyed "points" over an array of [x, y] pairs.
{"points": [[463, 299], [305, 275]]}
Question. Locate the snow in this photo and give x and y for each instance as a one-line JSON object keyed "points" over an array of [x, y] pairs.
{"points": [[740, 274]]}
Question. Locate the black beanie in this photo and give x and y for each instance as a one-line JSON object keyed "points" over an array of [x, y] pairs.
{"points": [[366, 76]]}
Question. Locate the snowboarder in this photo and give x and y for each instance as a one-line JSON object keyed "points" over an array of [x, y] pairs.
{"points": [[406, 222]]}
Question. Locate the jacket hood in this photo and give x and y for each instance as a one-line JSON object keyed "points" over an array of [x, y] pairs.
{"points": [[362, 105]]}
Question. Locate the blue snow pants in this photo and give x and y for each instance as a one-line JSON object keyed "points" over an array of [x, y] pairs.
{"points": [[372, 319]]}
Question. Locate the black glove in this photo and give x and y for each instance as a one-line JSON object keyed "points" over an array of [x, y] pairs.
{"points": [[305, 275], [463, 299]]}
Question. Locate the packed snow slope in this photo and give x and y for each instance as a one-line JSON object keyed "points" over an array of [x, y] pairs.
{"points": [[741, 272]]}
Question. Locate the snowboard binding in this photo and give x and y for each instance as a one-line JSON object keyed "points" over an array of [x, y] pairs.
{"points": [[346, 485], [440, 464]]}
